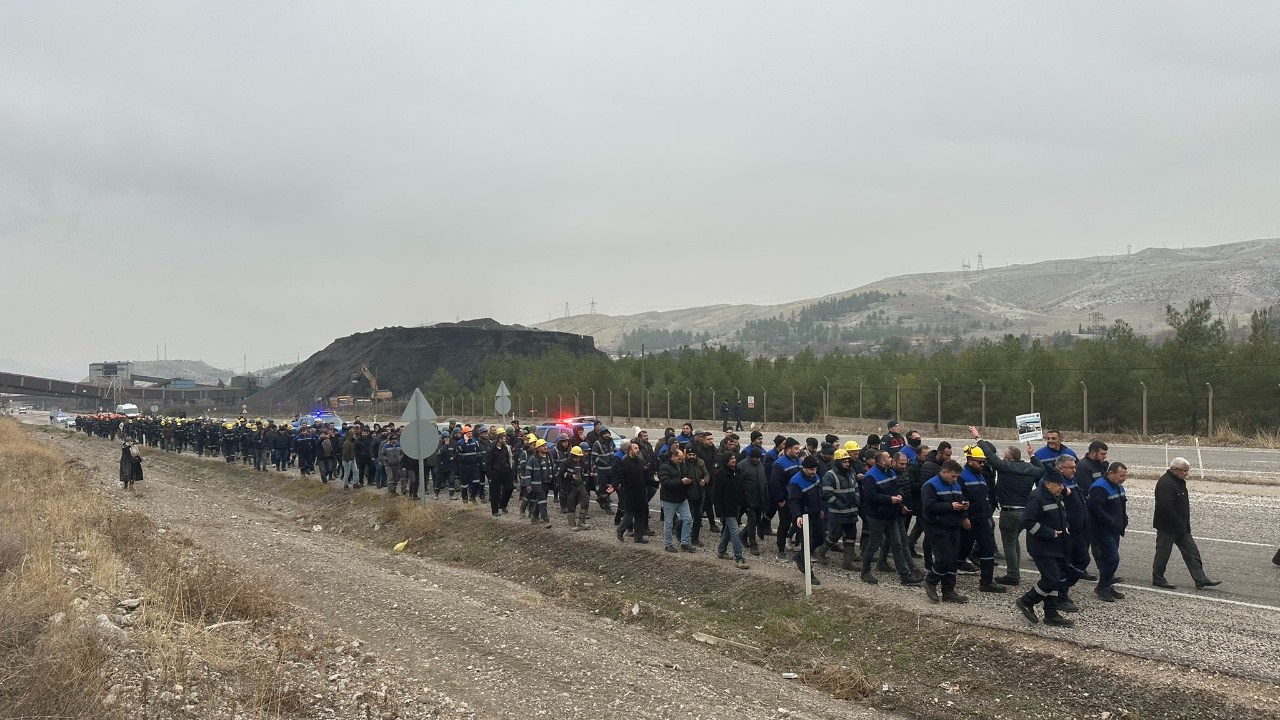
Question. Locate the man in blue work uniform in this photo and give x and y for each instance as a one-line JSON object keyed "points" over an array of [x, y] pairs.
{"points": [[944, 509], [1107, 522], [1053, 447], [1045, 520], [882, 502], [978, 518], [804, 501]]}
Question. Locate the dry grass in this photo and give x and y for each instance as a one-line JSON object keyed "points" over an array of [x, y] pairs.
{"points": [[47, 669], [190, 586], [842, 682], [56, 669]]}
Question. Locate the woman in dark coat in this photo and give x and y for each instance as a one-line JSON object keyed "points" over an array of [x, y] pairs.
{"points": [[726, 496], [631, 478], [130, 465]]}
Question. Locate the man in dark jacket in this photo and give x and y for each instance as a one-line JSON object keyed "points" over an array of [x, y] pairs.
{"points": [[726, 495], [630, 478], [501, 473], [1015, 480], [944, 510], [1045, 520], [784, 466], [755, 496], [737, 415], [842, 495], [674, 493], [804, 502], [1173, 526], [882, 503], [1107, 523]]}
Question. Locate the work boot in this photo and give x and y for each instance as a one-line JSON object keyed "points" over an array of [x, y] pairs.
{"points": [[1088, 576], [1065, 604], [688, 549], [966, 568], [820, 554], [1028, 610], [992, 588], [850, 559], [932, 591], [1162, 583], [619, 533], [913, 552], [869, 579], [1207, 583], [986, 569], [950, 595], [1058, 621], [1006, 580], [1104, 594], [914, 578], [883, 566], [1115, 594]]}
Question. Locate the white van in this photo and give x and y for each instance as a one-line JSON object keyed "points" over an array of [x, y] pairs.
{"points": [[128, 410]]}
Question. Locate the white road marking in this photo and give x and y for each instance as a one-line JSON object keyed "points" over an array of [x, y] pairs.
{"points": [[1209, 539], [1241, 603]]}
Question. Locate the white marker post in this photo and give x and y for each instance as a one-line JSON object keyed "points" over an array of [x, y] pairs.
{"points": [[502, 400], [419, 438], [1199, 458], [808, 567]]}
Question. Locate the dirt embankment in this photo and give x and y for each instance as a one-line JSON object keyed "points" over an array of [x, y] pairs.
{"points": [[106, 614]]}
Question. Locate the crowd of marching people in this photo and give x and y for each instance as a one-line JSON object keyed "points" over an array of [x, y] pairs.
{"points": [[891, 506]]}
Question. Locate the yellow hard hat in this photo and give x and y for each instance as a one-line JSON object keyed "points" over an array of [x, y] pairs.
{"points": [[541, 443], [532, 438], [975, 452], [501, 431], [575, 450], [852, 446], [840, 454]]}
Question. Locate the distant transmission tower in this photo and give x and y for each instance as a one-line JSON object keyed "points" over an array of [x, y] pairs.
{"points": [[980, 268], [964, 267], [593, 306], [1223, 302], [566, 309]]}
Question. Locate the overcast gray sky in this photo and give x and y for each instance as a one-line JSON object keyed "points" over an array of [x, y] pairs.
{"points": [[263, 177]]}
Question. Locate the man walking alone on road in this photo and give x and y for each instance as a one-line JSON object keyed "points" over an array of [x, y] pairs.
{"points": [[1173, 527]]}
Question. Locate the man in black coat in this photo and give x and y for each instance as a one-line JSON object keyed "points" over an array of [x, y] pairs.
{"points": [[1173, 526], [631, 480]]}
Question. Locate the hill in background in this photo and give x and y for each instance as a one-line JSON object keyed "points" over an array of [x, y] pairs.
{"points": [[1038, 299], [405, 358]]}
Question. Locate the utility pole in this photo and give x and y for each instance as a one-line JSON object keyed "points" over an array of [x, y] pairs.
{"points": [[1085, 389], [1144, 408], [642, 386]]}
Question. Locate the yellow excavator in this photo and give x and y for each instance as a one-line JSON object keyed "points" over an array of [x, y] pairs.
{"points": [[374, 392]]}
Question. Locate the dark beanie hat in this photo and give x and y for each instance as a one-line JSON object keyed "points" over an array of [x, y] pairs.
{"points": [[755, 452], [777, 439], [756, 435], [791, 442], [873, 439], [810, 462], [724, 458], [831, 439]]}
